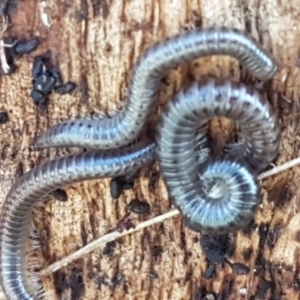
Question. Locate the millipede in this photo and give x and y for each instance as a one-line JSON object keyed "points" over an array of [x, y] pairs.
{"points": [[150, 68], [216, 195], [38, 183]]}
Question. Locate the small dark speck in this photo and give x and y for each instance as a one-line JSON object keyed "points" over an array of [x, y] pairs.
{"points": [[239, 269], [38, 97], [3, 117], [23, 47], [128, 185], [83, 233], [273, 234], [116, 188], [43, 237], [84, 90], [139, 207], [213, 252], [92, 219], [210, 271], [60, 195], [263, 232], [109, 248], [118, 279], [285, 195], [19, 170], [247, 253], [38, 68], [66, 88], [102, 280], [153, 274], [80, 16], [108, 47], [188, 274], [196, 239], [118, 184], [156, 251]]}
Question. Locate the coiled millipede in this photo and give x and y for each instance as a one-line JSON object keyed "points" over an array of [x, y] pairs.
{"points": [[220, 195]]}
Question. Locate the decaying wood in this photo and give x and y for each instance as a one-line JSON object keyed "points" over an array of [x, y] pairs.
{"points": [[95, 43]]}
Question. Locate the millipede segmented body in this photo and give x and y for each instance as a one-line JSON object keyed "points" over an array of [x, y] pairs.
{"points": [[152, 65], [37, 183], [221, 195]]}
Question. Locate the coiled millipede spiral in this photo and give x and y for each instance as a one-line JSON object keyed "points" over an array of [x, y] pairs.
{"points": [[219, 195]]}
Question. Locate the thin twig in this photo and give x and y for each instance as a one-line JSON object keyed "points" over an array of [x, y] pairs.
{"points": [[279, 169], [5, 66], [116, 235], [103, 240]]}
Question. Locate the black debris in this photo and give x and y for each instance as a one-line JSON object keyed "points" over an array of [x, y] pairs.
{"points": [[60, 195], [45, 84], [139, 207], [126, 224], [38, 68], [80, 16], [37, 97], [116, 188], [213, 251], [47, 79], [56, 74], [14, 48], [102, 280], [210, 271], [153, 274], [65, 88], [3, 117], [128, 185], [239, 269], [109, 249], [119, 184], [23, 47]]}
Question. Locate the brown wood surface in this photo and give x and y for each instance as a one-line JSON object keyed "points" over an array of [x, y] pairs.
{"points": [[163, 261]]}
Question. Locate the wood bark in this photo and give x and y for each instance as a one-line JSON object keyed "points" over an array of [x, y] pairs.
{"points": [[95, 44]]}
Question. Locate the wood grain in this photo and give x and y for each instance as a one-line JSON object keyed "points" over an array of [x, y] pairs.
{"points": [[95, 43]]}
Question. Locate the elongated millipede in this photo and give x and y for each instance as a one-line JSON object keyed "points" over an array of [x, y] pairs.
{"points": [[222, 195], [37, 183], [152, 65]]}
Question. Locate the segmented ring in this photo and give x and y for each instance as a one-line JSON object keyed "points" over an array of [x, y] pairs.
{"points": [[179, 165], [228, 200]]}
